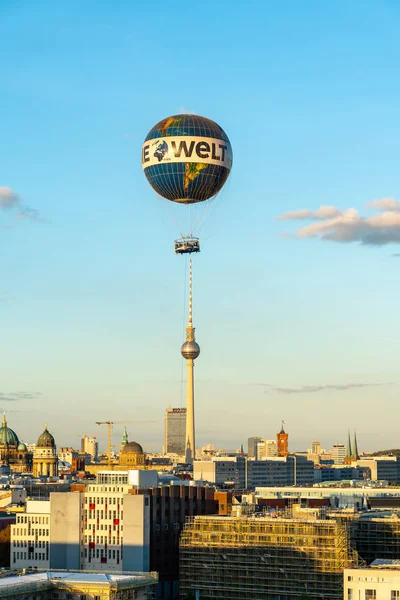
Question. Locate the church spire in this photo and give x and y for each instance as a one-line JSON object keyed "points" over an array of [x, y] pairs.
{"points": [[124, 438], [4, 423], [349, 453], [355, 447]]}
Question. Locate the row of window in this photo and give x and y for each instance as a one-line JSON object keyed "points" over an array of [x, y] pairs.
{"points": [[109, 528], [100, 539], [98, 553], [103, 527], [24, 531], [176, 526], [102, 500], [36, 556], [38, 520], [30, 543], [102, 514], [371, 594], [112, 541]]}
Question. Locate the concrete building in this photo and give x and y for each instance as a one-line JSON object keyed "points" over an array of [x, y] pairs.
{"points": [[45, 459], [265, 449], [94, 527], [379, 581], [239, 472], [174, 431], [89, 445], [170, 506], [381, 468], [251, 446], [77, 460], [338, 453], [323, 473], [30, 537], [354, 496], [65, 585]]}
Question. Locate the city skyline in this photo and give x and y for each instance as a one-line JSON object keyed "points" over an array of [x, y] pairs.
{"points": [[291, 326]]}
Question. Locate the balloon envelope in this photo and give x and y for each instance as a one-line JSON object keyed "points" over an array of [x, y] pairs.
{"points": [[187, 158]]}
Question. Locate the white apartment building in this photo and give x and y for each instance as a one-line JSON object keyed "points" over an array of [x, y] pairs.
{"points": [[96, 527], [265, 449], [89, 445], [379, 581], [30, 536]]}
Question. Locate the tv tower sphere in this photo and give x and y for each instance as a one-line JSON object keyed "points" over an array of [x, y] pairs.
{"points": [[190, 350]]}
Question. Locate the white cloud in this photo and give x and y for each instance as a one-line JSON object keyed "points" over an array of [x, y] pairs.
{"points": [[331, 223], [323, 212], [10, 200]]}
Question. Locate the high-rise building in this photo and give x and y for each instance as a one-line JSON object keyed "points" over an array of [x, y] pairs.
{"points": [[89, 445], [174, 431], [94, 527], [190, 350], [265, 449], [338, 453], [316, 448], [251, 446]]}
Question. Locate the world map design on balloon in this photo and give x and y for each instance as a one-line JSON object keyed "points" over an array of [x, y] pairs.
{"points": [[187, 158]]}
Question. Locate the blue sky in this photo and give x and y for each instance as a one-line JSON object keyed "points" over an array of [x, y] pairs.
{"points": [[92, 295]]}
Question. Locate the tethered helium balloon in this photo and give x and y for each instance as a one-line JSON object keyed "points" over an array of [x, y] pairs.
{"points": [[187, 159]]}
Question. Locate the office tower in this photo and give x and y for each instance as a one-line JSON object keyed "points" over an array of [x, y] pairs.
{"points": [[251, 446], [89, 445], [174, 430], [338, 453]]}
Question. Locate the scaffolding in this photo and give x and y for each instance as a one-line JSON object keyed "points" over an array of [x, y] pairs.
{"points": [[377, 537], [264, 558]]}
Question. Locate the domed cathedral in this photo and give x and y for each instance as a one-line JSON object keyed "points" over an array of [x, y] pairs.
{"points": [[13, 453], [131, 455], [45, 459]]}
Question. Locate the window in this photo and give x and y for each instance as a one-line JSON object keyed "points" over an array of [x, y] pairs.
{"points": [[370, 594], [394, 594]]}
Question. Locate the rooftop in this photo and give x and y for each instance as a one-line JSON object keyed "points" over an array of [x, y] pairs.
{"points": [[13, 582], [385, 563]]}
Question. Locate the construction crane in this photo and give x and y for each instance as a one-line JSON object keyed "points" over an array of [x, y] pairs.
{"points": [[109, 431]]}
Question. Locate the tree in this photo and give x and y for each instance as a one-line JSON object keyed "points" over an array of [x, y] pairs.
{"points": [[5, 536]]}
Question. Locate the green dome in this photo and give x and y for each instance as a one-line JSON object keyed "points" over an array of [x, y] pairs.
{"points": [[21, 447], [8, 437], [46, 440]]}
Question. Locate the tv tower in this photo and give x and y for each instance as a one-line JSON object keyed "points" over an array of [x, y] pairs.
{"points": [[190, 351]]}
